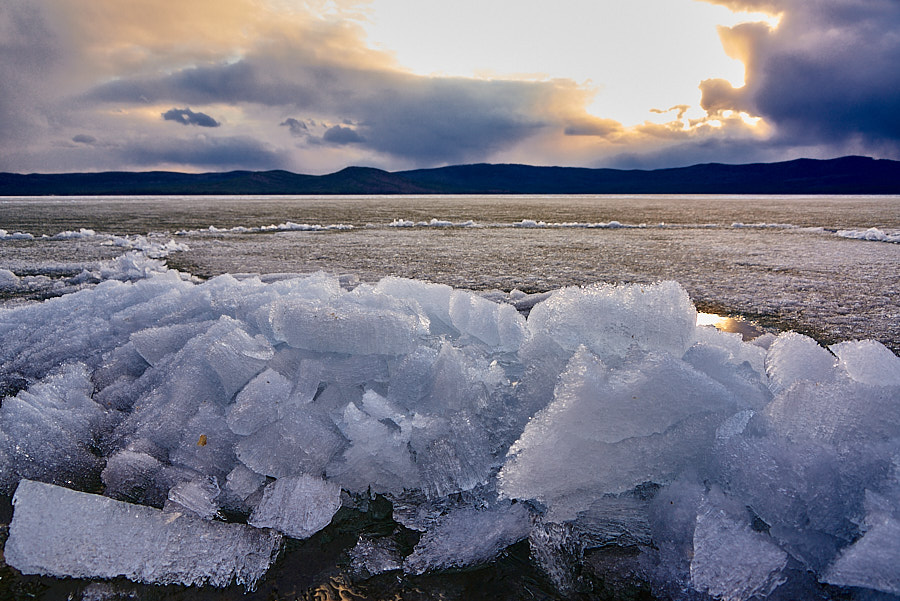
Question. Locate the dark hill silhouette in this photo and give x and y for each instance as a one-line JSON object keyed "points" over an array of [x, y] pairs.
{"points": [[847, 175]]}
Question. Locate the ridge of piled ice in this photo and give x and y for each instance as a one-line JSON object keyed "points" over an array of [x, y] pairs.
{"points": [[6, 235], [8, 280], [62, 532], [288, 226], [607, 413]]}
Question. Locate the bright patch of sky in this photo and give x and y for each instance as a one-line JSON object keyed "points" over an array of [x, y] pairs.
{"points": [[636, 55]]}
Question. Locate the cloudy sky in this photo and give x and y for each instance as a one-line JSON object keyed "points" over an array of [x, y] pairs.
{"points": [[313, 86]]}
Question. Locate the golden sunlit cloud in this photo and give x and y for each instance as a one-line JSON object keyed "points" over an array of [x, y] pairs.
{"points": [[637, 55]]}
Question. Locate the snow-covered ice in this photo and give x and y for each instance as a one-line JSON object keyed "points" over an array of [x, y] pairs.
{"points": [[606, 417]]}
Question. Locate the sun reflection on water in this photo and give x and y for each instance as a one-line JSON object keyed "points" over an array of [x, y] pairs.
{"points": [[736, 325]]}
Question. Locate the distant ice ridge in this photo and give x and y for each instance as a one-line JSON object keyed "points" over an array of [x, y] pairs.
{"points": [[872, 234], [151, 248], [130, 266], [150, 245], [531, 223], [288, 226], [762, 225], [608, 416], [142, 258], [6, 235], [432, 223]]}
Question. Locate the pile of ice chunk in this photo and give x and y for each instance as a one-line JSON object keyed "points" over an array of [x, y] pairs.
{"points": [[607, 417]]}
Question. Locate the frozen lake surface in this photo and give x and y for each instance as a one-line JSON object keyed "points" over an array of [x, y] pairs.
{"points": [[784, 260], [449, 398]]}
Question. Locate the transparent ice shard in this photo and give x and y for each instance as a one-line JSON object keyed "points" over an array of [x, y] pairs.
{"points": [[299, 506], [468, 537], [731, 561]]}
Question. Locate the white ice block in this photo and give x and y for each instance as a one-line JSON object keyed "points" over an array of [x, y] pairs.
{"points": [[61, 532]]}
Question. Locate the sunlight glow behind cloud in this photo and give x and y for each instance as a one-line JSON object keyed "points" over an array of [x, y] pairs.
{"points": [[636, 55]]}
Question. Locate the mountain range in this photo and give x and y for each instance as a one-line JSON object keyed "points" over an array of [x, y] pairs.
{"points": [[846, 175]]}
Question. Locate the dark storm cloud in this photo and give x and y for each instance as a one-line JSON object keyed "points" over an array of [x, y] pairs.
{"points": [[827, 74], [188, 117], [421, 118], [84, 139], [203, 152], [448, 120], [243, 81], [341, 135], [298, 128]]}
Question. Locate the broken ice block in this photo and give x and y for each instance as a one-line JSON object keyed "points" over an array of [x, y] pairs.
{"points": [[379, 455], [243, 482], [468, 537], [872, 561], [610, 319], [298, 506], [196, 495], [499, 326], [433, 298], [843, 412], [869, 362], [345, 327], [731, 561], [257, 404], [607, 431], [304, 442], [794, 357], [47, 430], [154, 344], [61, 532], [374, 556]]}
